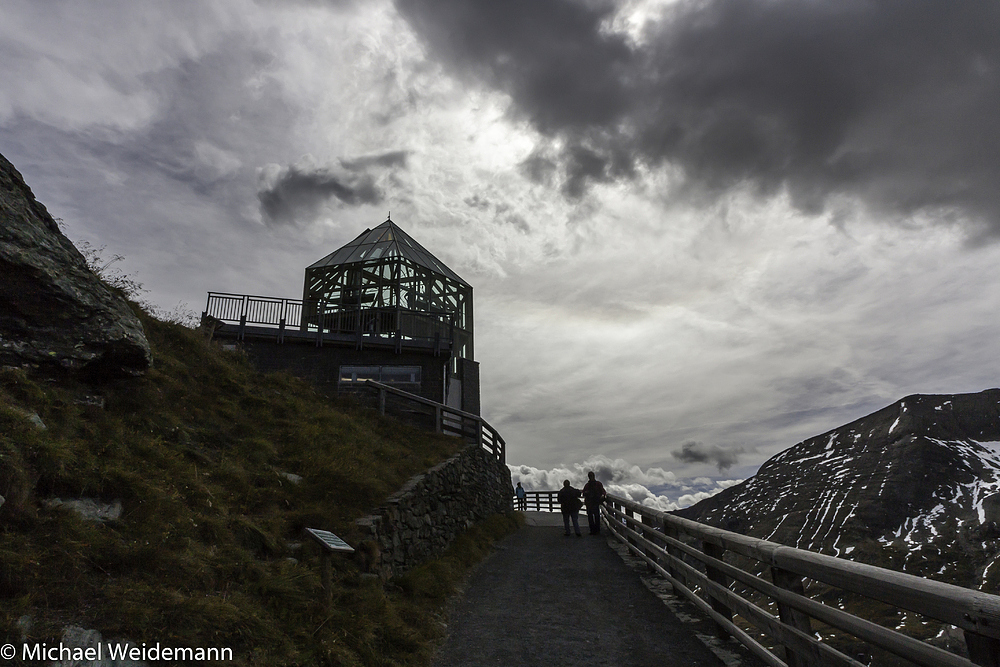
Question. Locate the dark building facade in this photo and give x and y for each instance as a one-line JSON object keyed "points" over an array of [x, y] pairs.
{"points": [[380, 308]]}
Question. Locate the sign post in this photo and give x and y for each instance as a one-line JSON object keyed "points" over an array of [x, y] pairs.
{"points": [[330, 543]]}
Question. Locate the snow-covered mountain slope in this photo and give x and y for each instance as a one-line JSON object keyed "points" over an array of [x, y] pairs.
{"points": [[914, 487]]}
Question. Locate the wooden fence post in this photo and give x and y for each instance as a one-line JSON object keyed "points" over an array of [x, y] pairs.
{"points": [[716, 575], [616, 528], [243, 316], [437, 419], [327, 580], [670, 531], [631, 515], [790, 616], [650, 553], [381, 401]]}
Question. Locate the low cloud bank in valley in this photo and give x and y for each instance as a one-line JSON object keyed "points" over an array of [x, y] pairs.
{"points": [[653, 487]]}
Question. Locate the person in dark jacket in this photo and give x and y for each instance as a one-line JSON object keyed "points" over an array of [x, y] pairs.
{"points": [[594, 494], [570, 503], [522, 497]]}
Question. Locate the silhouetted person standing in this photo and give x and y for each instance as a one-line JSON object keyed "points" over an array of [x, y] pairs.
{"points": [[521, 495], [569, 503], [594, 494]]}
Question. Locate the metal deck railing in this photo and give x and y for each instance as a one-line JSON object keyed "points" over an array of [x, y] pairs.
{"points": [[321, 317]]}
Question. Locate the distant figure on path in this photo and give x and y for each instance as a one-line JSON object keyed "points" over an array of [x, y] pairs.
{"points": [[570, 503], [522, 500], [594, 494]]}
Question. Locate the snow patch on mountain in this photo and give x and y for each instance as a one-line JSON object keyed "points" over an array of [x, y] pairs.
{"points": [[914, 486]]}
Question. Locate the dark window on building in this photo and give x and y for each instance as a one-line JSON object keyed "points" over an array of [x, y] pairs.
{"points": [[403, 377], [400, 375], [349, 374]]}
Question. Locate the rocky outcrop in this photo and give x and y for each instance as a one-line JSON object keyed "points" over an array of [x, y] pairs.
{"points": [[422, 518], [53, 309], [88, 509]]}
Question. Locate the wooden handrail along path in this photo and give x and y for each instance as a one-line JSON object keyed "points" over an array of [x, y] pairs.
{"points": [[447, 420], [691, 556]]}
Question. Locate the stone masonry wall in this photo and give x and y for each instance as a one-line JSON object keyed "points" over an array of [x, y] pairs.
{"points": [[421, 519]]}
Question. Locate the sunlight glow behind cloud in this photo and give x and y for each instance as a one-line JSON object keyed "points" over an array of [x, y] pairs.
{"points": [[660, 255]]}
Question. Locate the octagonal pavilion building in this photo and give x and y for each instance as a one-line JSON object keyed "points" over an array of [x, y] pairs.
{"points": [[381, 307]]}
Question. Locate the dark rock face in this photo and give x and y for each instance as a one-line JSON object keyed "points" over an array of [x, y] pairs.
{"points": [[53, 309], [914, 487]]}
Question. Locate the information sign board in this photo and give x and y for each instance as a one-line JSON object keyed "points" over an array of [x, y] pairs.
{"points": [[330, 541]]}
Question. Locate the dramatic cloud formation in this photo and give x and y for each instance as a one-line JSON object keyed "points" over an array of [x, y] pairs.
{"points": [[890, 102], [653, 487], [698, 231], [607, 471]]}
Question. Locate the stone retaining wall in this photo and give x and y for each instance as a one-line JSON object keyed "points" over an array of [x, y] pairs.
{"points": [[421, 519]]}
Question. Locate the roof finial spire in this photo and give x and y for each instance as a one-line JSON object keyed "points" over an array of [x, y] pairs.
{"points": [[389, 217]]}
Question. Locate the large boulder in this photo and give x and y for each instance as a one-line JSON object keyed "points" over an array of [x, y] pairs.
{"points": [[53, 309]]}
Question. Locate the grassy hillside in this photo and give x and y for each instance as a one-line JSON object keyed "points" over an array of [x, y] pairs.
{"points": [[209, 550]]}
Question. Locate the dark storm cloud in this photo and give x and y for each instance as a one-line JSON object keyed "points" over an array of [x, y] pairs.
{"points": [[551, 56], [698, 452], [296, 194], [539, 168], [889, 101]]}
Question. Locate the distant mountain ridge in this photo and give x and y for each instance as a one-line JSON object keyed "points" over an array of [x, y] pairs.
{"points": [[914, 487]]}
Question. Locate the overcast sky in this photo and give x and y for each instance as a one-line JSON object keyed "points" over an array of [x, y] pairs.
{"points": [[698, 232]]}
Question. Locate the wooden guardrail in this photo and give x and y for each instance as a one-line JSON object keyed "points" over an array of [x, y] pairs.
{"points": [[692, 557], [538, 501], [445, 419]]}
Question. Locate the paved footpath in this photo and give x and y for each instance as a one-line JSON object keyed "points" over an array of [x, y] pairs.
{"points": [[548, 600]]}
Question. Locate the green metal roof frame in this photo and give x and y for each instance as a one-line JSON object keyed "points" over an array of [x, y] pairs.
{"points": [[386, 240]]}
